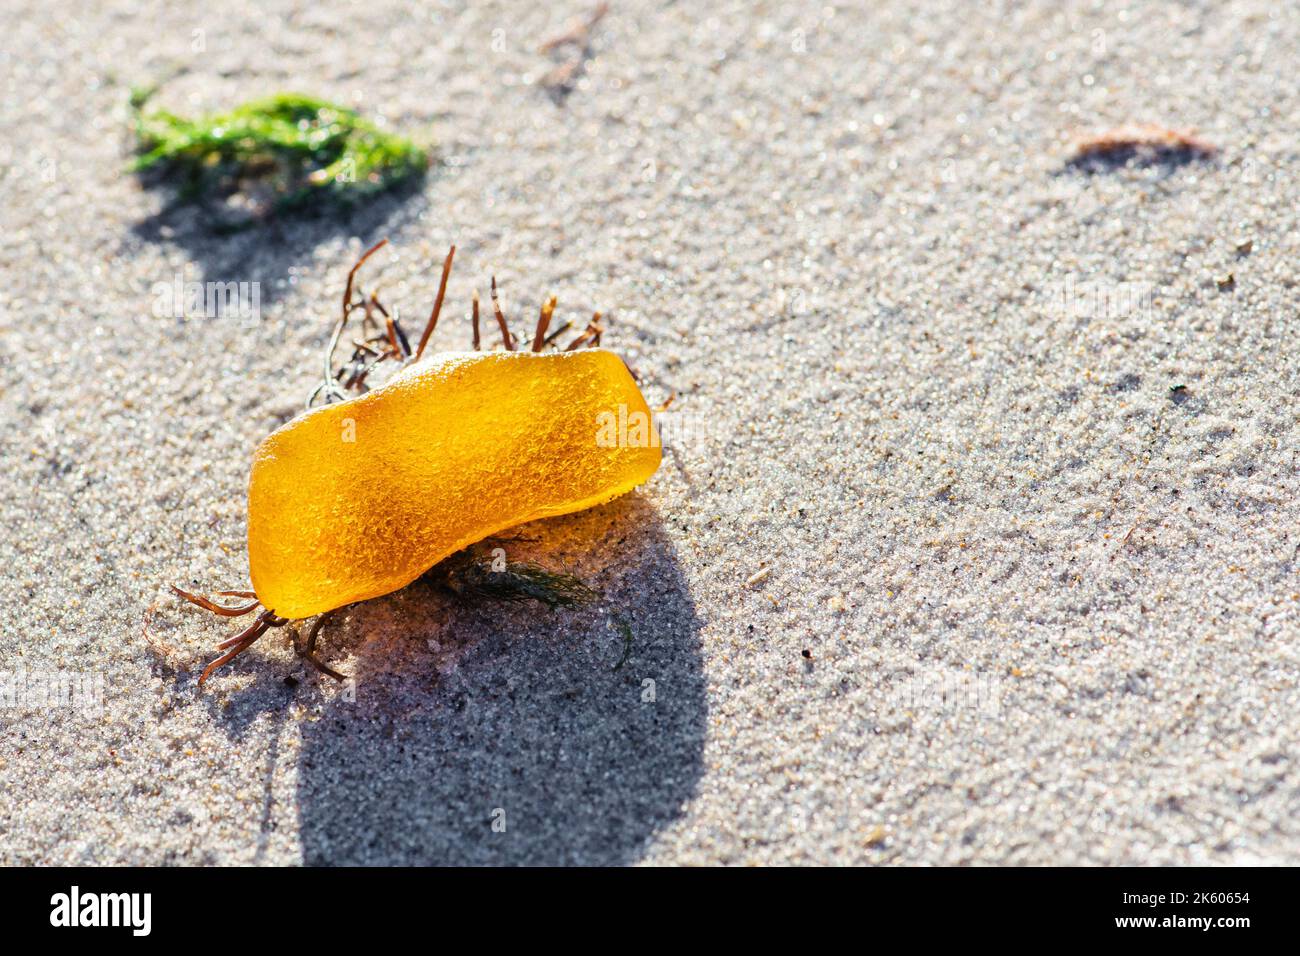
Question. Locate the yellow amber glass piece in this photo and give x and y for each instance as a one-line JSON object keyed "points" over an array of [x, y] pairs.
{"points": [[358, 499]]}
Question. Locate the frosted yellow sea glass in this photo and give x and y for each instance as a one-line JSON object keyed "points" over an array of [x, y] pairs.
{"points": [[354, 500]]}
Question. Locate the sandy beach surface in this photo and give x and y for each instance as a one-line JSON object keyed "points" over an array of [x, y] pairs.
{"points": [[976, 536]]}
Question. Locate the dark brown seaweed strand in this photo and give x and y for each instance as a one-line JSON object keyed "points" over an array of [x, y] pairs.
{"points": [[437, 304], [474, 320], [308, 653], [543, 322], [243, 641], [328, 383], [234, 652], [347, 289], [240, 644], [393, 342], [591, 334], [222, 610], [376, 304], [501, 319], [550, 339], [258, 626], [406, 345]]}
